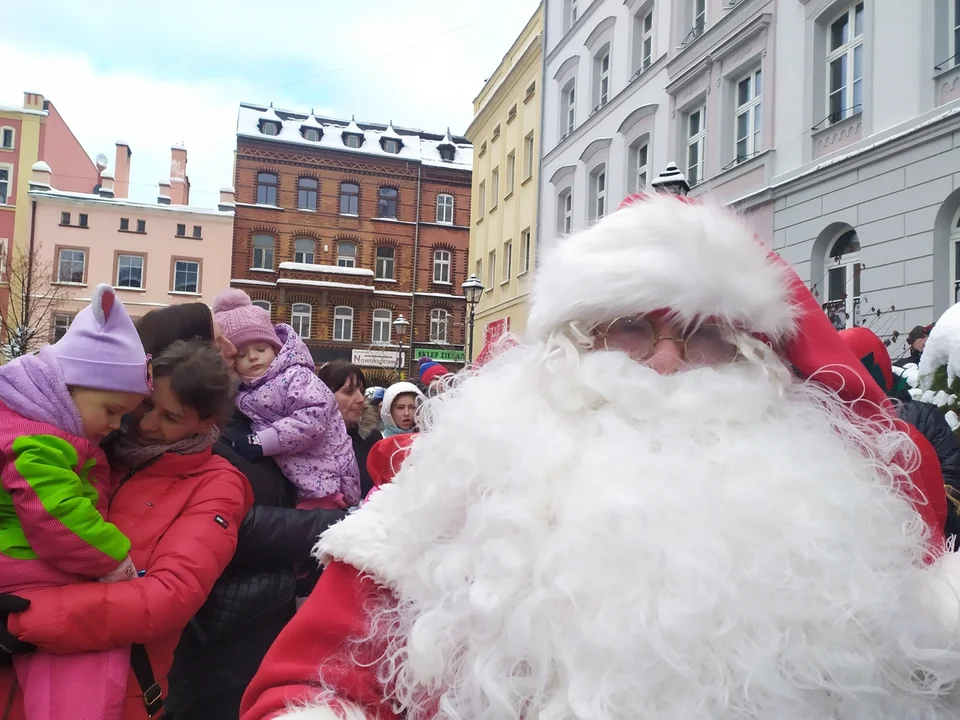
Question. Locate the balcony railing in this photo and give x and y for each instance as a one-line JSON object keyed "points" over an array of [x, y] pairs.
{"points": [[836, 311], [695, 32]]}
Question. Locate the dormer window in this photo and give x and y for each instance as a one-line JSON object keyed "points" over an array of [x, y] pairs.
{"points": [[447, 153], [352, 135], [311, 134], [391, 146], [351, 141], [448, 150], [268, 127]]}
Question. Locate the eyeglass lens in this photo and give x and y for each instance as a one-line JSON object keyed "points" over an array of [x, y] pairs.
{"points": [[706, 345]]}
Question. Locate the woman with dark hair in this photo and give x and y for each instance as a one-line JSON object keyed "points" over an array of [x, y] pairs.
{"points": [[221, 649], [348, 383]]}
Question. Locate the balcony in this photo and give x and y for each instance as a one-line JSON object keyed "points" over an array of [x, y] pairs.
{"points": [[839, 315]]}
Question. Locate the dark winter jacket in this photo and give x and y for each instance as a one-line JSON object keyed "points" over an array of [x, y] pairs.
{"points": [[912, 357], [221, 649], [364, 437]]}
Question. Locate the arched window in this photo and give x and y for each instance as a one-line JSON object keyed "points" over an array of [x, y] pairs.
{"points": [[264, 304], [386, 256], [439, 325], [388, 203], [382, 327], [266, 188], [349, 199], [263, 245], [346, 254], [304, 250], [343, 323], [955, 255], [843, 280], [300, 317], [306, 193], [441, 266]]}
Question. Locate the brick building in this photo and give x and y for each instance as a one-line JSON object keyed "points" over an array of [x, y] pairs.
{"points": [[342, 227]]}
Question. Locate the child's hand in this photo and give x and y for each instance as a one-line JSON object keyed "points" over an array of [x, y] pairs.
{"points": [[249, 447], [124, 571]]}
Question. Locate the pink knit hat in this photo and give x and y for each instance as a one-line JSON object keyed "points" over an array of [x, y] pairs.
{"points": [[242, 322]]}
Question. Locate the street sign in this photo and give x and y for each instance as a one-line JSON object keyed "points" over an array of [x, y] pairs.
{"points": [[451, 356], [376, 358]]}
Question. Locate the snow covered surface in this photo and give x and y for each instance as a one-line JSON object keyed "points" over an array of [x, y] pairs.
{"points": [[417, 146], [41, 166], [323, 283], [41, 195], [942, 348], [332, 269]]}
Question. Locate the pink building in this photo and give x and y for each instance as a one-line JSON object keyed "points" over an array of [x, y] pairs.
{"points": [[154, 254]]}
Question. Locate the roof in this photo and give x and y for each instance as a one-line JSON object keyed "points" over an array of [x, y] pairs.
{"points": [[417, 145], [122, 202]]}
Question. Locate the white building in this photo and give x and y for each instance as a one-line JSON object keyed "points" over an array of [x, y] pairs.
{"points": [[833, 123]]}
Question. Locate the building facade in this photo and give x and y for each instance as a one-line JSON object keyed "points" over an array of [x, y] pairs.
{"points": [[342, 228], [503, 231], [791, 110], [153, 254], [31, 133]]}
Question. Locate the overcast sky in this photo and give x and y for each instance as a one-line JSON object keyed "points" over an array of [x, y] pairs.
{"points": [[154, 77]]}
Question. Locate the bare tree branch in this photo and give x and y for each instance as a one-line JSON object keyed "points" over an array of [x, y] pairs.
{"points": [[34, 300]]}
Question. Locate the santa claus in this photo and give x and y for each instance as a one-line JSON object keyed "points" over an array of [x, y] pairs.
{"points": [[682, 498]]}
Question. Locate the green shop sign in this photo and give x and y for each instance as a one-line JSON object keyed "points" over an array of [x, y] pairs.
{"points": [[451, 356]]}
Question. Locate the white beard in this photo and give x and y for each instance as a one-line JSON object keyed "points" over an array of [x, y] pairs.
{"points": [[576, 536]]}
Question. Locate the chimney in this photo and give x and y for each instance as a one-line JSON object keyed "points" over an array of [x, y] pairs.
{"points": [[180, 184], [40, 176], [164, 197], [32, 101], [121, 169], [106, 184], [227, 196]]}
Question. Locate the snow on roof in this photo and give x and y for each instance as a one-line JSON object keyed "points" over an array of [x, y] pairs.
{"points": [[312, 121], [323, 283], [333, 269], [41, 166], [51, 195], [416, 145], [227, 188], [106, 174]]}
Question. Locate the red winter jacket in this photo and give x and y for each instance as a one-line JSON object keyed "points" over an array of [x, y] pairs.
{"points": [[181, 515]]}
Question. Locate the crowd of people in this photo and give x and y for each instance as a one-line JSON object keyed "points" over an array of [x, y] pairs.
{"points": [[683, 494]]}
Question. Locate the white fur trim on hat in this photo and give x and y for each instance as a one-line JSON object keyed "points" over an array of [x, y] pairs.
{"points": [[324, 712], [661, 253]]}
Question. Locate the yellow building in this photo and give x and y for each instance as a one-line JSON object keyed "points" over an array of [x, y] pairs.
{"points": [[505, 133]]}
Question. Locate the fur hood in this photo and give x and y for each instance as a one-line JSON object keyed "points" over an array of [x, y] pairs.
{"points": [[369, 421]]}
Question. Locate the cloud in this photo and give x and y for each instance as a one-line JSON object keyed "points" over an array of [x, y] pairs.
{"points": [[157, 78]]}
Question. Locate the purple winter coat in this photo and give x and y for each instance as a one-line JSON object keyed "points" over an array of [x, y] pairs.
{"points": [[298, 422]]}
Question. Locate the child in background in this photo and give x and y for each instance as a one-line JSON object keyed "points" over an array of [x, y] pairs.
{"points": [[294, 415], [55, 408]]}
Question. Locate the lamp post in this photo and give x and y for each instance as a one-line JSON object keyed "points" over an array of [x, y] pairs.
{"points": [[400, 326], [671, 181], [472, 289]]}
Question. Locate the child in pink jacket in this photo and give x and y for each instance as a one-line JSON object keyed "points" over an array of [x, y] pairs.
{"points": [[294, 415], [55, 408]]}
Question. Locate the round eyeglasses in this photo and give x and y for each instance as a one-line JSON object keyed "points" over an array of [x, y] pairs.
{"points": [[704, 345]]}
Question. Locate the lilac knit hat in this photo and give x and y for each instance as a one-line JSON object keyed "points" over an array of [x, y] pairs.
{"points": [[242, 322], [102, 350]]}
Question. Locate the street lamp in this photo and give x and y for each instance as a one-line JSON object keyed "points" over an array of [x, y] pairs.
{"points": [[400, 326], [671, 181], [472, 289]]}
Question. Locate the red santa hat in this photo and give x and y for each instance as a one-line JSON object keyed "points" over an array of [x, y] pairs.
{"points": [[387, 455]]}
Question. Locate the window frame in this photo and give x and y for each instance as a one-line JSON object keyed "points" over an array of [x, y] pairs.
{"points": [[752, 110], [260, 304], [66, 218], [84, 267], [511, 172], [297, 319], [491, 269], [601, 63], [382, 323], [181, 233], [445, 209], [384, 202], [6, 184], [506, 271], [308, 195], [525, 237], [440, 326], [646, 41], [142, 227], [124, 224], [352, 198], [568, 106], [598, 192], [529, 156], [344, 259], [494, 188], [198, 232], [264, 252], [118, 267], [846, 51], [174, 261], [300, 255], [565, 211], [343, 320], [55, 325], [267, 188], [392, 261], [442, 261], [953, 32], [698, 140], [639, 163], [481, 200], [848, 260], [13, 137]]}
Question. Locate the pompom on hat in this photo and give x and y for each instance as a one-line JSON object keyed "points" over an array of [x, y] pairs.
{"points": [[102, 350], [431, 370], [242, 322]]}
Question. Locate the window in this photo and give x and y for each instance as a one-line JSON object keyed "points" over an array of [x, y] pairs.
{"points": [[306, 194], [478, 266], [481, 200], [565, 212], [391, 146], [643, 42], [343, 323], [494, 188], [141, 226], [4, 185], [447, 152], [511, 171], [301, 316], [528, 156], [349, 199], [512, 114], [843, 280], [954, 255], [186, 276], [71, 266], [262, 304], [445, 209], [598, 193], [346, 254], [4, 242], [569, 96], [570, 14], [496, 133], [303, 250], [270, 128], [130, 271], [266, 189], [125, 224], [181, 230], [385, 262], [6, 140], [845, 64], [639, 164], [441, 266], [64, 218], [388, 203], [263, 246], [491, 269], [197, 232], [83, 220], [524, 251], [954, 26], [507, 261], [61, 323], [748, 115], [311, 134], [382, 327], [352, 141], [439, 325], [601, 70], [531, 89], [696, 132]]}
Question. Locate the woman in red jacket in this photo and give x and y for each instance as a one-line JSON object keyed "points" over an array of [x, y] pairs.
{"points": [[179, 505]]}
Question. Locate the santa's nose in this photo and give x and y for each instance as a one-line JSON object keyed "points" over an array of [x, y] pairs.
{"points": [[667, 356]]}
